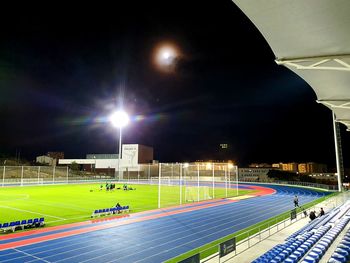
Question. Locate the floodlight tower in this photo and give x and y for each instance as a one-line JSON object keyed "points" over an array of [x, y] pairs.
{"points": [[119, 119]]}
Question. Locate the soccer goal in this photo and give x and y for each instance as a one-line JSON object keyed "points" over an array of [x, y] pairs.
{"points": [[163, 180], [195, 193], [32, 181]]}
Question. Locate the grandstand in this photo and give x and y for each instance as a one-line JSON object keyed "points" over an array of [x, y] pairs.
{"points": [[321, 240]]}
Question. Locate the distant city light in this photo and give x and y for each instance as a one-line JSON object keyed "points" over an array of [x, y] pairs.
{"points": [[119, 119], [223, 145], [208, 166]]}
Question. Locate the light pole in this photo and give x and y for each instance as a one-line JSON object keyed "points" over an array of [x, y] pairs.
{"points": [[119, 119]]}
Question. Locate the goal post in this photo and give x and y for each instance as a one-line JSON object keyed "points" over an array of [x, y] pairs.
{"points": [[32, 181], [163, 180], [194, 193]]}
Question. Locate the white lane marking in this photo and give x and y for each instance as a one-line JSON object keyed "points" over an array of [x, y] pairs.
{"points": [[19, 197], [27, 254]]}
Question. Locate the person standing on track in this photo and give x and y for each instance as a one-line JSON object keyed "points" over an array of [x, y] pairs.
{"points": [[296, 201]]}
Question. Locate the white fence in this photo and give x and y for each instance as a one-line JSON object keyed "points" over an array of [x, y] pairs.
{"points": [[39, 175], [179, 183], [174, 183]]}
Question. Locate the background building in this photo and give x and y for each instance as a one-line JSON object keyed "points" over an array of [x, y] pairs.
{"points": [[253, 174], [56, 155], [303, 168], [46, 160], [51, 158], [260, 165], [132, 156]]}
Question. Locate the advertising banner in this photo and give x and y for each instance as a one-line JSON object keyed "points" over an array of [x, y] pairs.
{"points": [[227, 247]]}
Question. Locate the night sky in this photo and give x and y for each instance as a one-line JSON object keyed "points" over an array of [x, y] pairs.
{"points": [[63, 69]]}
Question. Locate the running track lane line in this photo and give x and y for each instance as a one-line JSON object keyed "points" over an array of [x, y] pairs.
{"points": [[107, 219], [100, 227], [261, 191]]}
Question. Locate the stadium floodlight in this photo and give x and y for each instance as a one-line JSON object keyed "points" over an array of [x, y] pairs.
{"points": [[119, 119], [186, 165]]}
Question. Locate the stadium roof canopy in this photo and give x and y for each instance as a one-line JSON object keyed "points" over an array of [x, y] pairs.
{"points": [[311, 38]]}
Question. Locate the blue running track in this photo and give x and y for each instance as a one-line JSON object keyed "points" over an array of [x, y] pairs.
{"points": [[159, 239]]}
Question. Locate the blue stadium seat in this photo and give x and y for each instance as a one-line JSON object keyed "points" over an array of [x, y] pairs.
{"points": [[41, 221], [309, 259], [342, 252], [342, 246], [332, 260], [339, 257]]}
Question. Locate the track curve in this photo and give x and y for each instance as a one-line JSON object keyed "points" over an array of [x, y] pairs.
{"points": [[152, 236]]}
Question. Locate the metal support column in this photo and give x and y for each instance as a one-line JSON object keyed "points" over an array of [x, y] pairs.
{"points": [[338, 151]]}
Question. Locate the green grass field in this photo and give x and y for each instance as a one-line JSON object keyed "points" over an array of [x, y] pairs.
{"points": [[62, 204]]}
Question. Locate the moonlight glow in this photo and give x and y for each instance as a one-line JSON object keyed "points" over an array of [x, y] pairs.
{"points": [[165, 56]]}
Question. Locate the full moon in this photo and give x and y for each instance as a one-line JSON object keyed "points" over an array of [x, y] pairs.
{"points": [[165, 56]]}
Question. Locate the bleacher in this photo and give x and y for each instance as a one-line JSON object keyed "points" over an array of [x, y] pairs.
{"points": [[109, 211], [14, 225], [309, 244], [315, 224], [342, 252]]}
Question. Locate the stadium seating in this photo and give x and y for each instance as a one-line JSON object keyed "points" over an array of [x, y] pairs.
{"points": [[309, 244], [315, 224], [342, 252], [14, 225], [109, 211]]}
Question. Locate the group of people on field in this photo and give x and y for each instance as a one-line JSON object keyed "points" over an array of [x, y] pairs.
{"points": [[109, 186], [127, 188], [312, 214]]}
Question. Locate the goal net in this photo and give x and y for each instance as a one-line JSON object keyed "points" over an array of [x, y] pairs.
{"points": [[195, 193], [32, 181], [163, 180]]}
